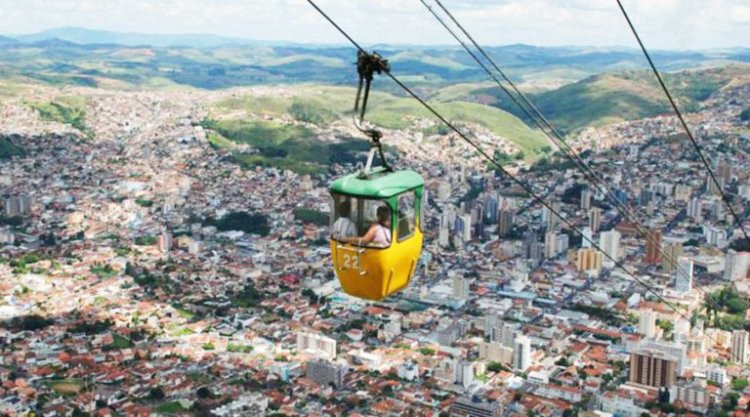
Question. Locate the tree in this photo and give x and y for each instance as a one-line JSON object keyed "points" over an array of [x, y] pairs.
{"points": [[156, 393], [745, 115], [243, 221], [739, 384], [204, 392]]}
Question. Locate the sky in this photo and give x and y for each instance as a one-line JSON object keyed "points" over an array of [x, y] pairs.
{"points": [[663, 24]]}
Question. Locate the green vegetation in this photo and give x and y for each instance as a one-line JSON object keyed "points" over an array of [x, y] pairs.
{"points": [[427, 351], [311, 113], [248, 297], [604, 314], [208, 346], [665, 325], [95, 327], [145, 240], [8, 149], [739, 384], [185, 314], [31, 322], [599, 100], [254, 223], [103, 271], [170, 408], [69, 110], [306, 215], [219, 142], [183, 332], [239, 348], [496, 367], [727, 308], [143, 202], [120, 342], [745, 114], [283, 146]]}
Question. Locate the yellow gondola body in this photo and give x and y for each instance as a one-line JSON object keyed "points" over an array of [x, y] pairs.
{"points": [[366, 271]]}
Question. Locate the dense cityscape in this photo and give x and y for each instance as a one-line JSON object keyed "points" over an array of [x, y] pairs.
{"points": [[144, 272]]}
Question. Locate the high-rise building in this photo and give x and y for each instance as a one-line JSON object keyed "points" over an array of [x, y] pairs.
{"points": [[522, 353], [562, 242], [653, 368], [460, 287], [595, 219], [587, 236], [647, 323], [712, 187], [550, 219], [506, 334], [736, 265], [585, 199], [609, 242], [17, 206], [490, 323], [165, 241], [505, 224], [715, 236], [695, 209], [739, 346], [495, 352], [683, 276], [532, 249], [316, 344], [693, 395], [325, 372], [466, 232], [491, 206], [672, 253], [464, 373], [550, 244], [674, 349], [724, 171], [589, 260], [444, 236], [653, 247], [682, 192], [475, 407]]}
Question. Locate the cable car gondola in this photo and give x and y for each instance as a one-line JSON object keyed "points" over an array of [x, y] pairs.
{"points": [[376, 214]]}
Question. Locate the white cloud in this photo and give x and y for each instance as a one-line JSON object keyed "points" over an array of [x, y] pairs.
{"points": [[664, 24]]}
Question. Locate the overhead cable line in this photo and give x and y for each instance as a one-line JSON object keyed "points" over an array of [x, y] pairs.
{"points": [[545, 126], [513, 178], [697, 147], [570, 153]]}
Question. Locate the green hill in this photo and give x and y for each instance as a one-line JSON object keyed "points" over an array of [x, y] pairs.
{"points": [[326, 104], [611, 98]]}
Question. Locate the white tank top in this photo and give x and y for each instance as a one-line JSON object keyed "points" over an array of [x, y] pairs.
{"points": [[382, 236]]}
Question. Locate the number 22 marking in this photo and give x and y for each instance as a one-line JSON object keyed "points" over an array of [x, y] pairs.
{"points": [[351, 261]]}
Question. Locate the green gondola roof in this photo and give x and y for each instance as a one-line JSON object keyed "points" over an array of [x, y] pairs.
{"points": [[380, 184]]}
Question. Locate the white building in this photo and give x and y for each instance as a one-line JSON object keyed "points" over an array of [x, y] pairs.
{"points": [[739, 346], [522, 353], [316, 344], [683, 280], [647, 323], [695, 209], [736, 265], [609, 242]]}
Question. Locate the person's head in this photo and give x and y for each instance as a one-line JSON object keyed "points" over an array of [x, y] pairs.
{"points": [[345, 208], [384, 215]]}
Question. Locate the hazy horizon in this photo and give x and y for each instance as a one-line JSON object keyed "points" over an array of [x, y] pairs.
{"points": [[664, 24]]}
